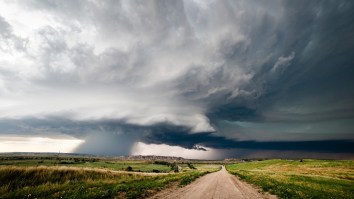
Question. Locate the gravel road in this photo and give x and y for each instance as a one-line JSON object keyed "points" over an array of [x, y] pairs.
{"points": [[220, 184]]}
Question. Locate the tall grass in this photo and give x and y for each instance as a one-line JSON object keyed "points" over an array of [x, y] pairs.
{"points": [[66, 182], [138, 166], [300, 179]]}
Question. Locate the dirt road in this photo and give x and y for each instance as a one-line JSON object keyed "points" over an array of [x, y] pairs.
{"points": [[220, 184]]}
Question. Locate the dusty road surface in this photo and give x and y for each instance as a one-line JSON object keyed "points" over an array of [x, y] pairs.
{"points": [[220, 184]]}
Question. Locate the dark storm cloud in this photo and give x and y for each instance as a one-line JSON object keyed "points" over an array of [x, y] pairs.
{"points": [[312, 80], [220, 74], [116, 137], [165, 134]]}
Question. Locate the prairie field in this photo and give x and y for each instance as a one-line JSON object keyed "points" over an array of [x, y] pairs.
{"points": [[83, 177], [99, 179], [139, 166], [299, 178]]}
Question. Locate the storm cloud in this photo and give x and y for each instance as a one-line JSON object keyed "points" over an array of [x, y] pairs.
{"points": [[226, 75]]}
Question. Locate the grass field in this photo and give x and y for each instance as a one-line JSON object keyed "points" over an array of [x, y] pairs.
{"points": [[299, 179], [117, 165], [51, 179], [139, 166]]}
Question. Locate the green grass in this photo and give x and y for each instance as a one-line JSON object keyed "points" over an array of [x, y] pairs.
{"points": [[207, 167], [66, 182], [79, 177], [119, 165], [296, 179], [139, 166]]}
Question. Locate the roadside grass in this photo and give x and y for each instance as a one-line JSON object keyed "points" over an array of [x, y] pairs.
{"points": [[120, 166], [187, 179], [139, 166], [66, 182], [208, 167], [299, 179]]}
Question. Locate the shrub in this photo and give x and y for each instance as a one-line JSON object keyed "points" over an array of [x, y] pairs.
{"points": [[191, 166], [156, 171], [129, 168]]}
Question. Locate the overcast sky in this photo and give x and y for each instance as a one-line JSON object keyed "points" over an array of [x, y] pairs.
{"points": [[197, 78]]}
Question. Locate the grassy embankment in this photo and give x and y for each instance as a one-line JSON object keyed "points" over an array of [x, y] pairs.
{"points": [[299, 179], [26, 180]]}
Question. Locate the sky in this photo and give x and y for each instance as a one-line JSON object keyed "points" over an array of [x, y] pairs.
{"points": [[199, 79]]}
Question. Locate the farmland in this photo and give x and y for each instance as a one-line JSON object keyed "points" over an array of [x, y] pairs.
{"points": [[65, 176], [299, 178], [92, 178]]}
